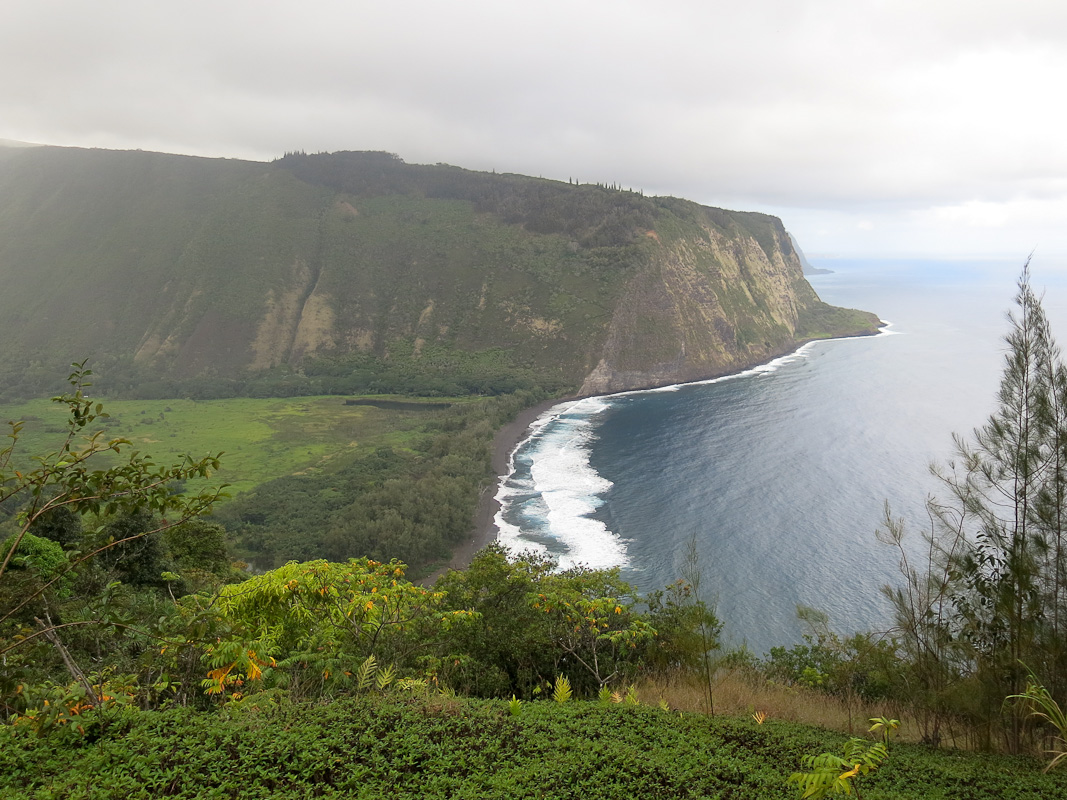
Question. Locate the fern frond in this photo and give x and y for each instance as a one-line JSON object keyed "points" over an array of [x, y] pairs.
{"points": [[413, 685], [385, 677], [562, 691], [365, 673]]}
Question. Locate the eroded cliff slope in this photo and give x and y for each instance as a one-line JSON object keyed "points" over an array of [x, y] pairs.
{"points": [[359, 264], [720, 291]]}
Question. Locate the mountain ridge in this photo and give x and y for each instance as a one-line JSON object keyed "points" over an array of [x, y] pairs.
{"points": [[209, 270]]}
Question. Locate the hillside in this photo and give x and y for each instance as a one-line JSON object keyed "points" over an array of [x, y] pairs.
{"points": [[358, 272]]}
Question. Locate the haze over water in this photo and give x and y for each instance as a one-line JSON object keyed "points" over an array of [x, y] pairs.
{"points": [[781, 473]]}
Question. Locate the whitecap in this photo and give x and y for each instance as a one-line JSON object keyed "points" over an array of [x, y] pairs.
{"points": [[551, 490], [554, 490]]}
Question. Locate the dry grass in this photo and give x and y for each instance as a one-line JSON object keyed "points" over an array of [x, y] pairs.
{"points": [[739, 693]]}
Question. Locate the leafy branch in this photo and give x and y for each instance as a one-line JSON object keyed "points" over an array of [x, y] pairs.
{"points": [[65, 478], [833, 774]]}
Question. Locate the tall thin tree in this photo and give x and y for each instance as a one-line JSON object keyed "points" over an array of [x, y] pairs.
{"points": [[992, 598]]}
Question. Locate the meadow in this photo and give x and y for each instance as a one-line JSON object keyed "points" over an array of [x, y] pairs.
{"points": [[313, 477], [260, 438]]}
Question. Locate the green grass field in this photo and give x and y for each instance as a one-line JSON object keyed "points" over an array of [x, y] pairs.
{"points": [[261, 439]]}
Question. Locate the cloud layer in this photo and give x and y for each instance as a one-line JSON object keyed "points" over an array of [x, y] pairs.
{"points": [[872, 128]]}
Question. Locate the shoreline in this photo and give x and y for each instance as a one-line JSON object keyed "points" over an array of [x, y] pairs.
{"points": [[508, 438], [505, 442]]}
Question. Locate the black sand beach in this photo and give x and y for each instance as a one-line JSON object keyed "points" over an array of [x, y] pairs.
{"points": [[484, 529]]}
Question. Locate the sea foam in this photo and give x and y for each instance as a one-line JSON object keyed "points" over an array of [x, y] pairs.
{"points": [[551, 490]]}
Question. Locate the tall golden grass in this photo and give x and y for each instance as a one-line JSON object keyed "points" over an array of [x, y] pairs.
{"points": [[741, 693]]}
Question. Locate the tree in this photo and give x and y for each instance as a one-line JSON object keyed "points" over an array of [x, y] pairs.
{"points": [[71, 481], [925, 622], [594, 621], [61, 525], [507, 649], [1006, 471], [310, 626], [533, 623], [199, 546], [138, 557], [687, 632], [991, 594]]}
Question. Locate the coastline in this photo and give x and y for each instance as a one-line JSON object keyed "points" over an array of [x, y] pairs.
{"points": [[505, 442], [508, 438]]}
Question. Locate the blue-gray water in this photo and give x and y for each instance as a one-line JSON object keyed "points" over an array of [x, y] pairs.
{"points": [[780, 473]]}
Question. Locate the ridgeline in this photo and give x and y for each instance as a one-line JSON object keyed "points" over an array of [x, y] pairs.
{"points": [[356, 272]]}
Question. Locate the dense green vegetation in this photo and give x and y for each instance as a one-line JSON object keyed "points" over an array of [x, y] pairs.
{"points": [[312, 477], [358, 273], [435, 371], [411, 498], [405, 746], [135, 657]]}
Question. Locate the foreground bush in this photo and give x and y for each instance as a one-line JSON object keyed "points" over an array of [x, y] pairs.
{"points": [[437, 747]]}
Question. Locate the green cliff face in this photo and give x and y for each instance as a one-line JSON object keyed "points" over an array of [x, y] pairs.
{"points": [[192, 267], [719, 291]]}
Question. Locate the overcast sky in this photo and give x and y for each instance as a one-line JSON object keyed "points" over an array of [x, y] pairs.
{"points": [[872, 127]]}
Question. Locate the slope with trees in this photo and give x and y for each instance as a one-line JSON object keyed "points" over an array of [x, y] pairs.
{"points": [[356, 272]]}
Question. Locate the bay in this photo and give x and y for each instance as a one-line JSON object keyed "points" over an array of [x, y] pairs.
{"points": [[780, 474]]}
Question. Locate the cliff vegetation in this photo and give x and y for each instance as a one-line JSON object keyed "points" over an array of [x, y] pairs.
{"points": [[356, 272]]}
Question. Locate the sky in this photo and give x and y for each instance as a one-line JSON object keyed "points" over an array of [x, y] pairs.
{"points": [[873, 128]]}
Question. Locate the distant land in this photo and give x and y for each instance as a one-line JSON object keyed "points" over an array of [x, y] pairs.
{"points": [[808, 268], [357, 272]]}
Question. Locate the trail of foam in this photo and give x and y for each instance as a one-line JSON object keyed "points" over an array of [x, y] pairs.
{"points": [[556, 474], [556, 482], [804, 351]]}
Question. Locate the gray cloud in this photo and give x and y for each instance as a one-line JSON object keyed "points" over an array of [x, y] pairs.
{"points": [[895, 126]]}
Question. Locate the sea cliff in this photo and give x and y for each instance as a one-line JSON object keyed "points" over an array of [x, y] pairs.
{"points": [[357, 272], [721, 292]]}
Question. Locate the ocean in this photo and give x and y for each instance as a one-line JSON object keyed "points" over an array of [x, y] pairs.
{"points": [[780, 475]]}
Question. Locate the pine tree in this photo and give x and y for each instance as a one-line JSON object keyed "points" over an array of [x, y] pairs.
{"points": [[990, 600], [1006, 472]]}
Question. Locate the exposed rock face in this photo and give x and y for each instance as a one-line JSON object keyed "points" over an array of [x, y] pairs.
{"points": [[705, 305], [198, 267], [297, 320]]}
